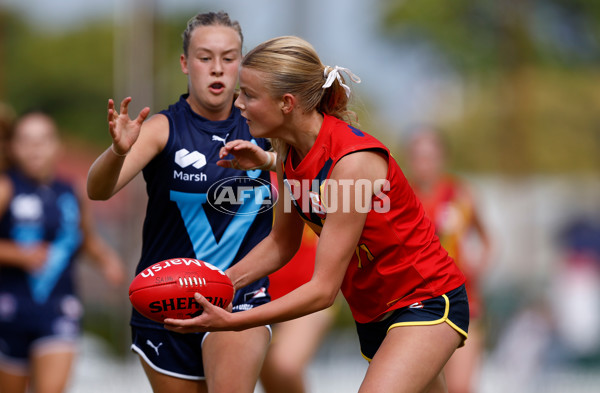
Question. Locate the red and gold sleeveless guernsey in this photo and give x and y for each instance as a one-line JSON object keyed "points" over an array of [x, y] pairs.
{"points": [[398, 260], [451, 215]]}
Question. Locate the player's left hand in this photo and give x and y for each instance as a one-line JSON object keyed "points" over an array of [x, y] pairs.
{"points": [[212, 319], [247, 156]]}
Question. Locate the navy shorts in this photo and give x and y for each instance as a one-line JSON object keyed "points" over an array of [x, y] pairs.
{"points": [[180, 355], [452, 308], [26, 325]]}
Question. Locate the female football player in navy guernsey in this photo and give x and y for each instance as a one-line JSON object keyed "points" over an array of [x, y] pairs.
{"points": [[376, 244], [177, 151], [44, 223]]}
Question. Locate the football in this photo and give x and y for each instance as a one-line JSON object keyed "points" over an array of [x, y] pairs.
{"points": [[166, 289]]}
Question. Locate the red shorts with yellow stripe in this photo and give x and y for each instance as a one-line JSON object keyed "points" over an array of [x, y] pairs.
{"points": [[451, 308]]}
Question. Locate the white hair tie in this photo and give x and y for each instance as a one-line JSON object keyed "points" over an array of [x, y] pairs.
{"points": [[334, 73]]}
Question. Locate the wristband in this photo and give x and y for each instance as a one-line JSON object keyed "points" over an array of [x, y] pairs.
{"points": [[112, 148], [267, 165]]}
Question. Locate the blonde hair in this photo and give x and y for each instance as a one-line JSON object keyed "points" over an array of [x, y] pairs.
{"points": [[291, 65]]}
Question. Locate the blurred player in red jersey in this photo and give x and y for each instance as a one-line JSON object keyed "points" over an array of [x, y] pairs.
{"points": [[294, 342], [376, 245], [450, 203]]}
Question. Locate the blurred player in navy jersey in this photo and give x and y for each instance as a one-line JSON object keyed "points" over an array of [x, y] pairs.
{"points": [[43, 225]]}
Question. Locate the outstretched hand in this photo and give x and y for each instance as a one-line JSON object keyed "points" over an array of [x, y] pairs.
{"points": [[246, 156], [123, 130], [212, 319]]}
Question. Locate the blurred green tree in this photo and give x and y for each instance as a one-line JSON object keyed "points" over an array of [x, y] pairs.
{"points": [[70, 72], [529, 68]]}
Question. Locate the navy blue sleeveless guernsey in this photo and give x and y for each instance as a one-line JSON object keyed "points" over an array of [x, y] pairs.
{"points": [[197, 209], [42, 213]]}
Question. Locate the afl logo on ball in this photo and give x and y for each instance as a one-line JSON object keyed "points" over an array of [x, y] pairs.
{"points": [[240, 195]]}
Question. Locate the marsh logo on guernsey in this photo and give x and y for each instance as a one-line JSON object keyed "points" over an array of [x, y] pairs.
{"points": [[184, 158], [27, 207]]}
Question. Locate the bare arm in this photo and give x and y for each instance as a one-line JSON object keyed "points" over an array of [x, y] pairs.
{"points": [[476, 224], [337, 243], [276, 249], [134, 144], [106, 258]]}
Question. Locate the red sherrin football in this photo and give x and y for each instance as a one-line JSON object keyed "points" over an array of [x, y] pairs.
{"points": [[166, 289]]}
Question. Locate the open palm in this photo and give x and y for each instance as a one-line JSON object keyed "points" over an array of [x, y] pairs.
{"points": [[123, 130]]}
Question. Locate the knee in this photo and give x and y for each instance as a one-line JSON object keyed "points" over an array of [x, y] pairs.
{"points": [[287, 368], [283, 377]]}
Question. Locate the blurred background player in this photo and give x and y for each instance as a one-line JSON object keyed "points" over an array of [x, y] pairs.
{"points": [[43, 225], [177, 151], [449, 202], [295, 342]]}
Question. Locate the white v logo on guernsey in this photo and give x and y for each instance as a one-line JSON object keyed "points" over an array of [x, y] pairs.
{"points": [[206, 246], [184, 158], [155, 347]]}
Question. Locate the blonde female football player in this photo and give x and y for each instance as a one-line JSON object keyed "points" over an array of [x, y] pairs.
{"points": [[406, 294]]}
